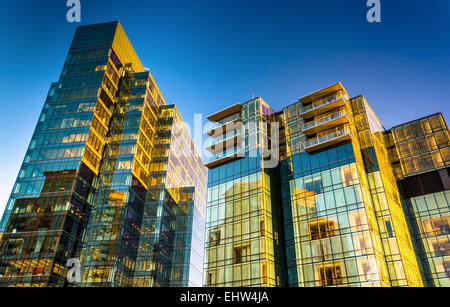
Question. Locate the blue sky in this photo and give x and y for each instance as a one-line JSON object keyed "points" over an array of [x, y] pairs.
{"points": [[206, 55]]}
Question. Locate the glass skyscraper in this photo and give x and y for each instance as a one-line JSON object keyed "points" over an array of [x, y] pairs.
{"points": [[360, 205], [111, 179]]}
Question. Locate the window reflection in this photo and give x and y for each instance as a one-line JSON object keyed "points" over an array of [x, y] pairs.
{"points": [[330, 275], [437, 226]]}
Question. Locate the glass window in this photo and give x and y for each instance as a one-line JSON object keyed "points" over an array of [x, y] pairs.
{"points": [[326, 178], [339, 197], [357, 220], [349, 175], [399, 134], [426, 127], [437, 226], [435, 123], [330, 275], [336, 176], [322, 229], [329, 200], [350, 195]]}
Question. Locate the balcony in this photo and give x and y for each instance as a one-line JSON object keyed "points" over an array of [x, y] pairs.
{"points": [[225, 113], [323, 105], [217, 129], [325, 123], [327, 140], [215, 146], [226, 157]]}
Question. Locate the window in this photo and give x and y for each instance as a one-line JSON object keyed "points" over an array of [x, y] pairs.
{"points": [[124, 165], [367, 269], [441, 139], [314, 184], [290, 114], [215, 237], [330, 275], [446, 267], [437, 159], [414, 147], [437, 226], [210, 277], [362, 243], [322, 229], [357, 220], [440, 246], [140, 82], [399, 134], [435, 123], [240, 254], [100, 68], [389, 229], [349, 175], [409, 132], [237, 255], [264, 274], [426, 127]]}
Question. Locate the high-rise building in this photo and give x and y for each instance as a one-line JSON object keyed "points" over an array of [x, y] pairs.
{"points": [[111, 182], [244, 217], [420, 155], [343, 181]]}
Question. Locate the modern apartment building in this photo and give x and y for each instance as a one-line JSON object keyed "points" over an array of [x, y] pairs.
{"points": [[244, 217], [352, 212], [420, 153], [111, 180]]}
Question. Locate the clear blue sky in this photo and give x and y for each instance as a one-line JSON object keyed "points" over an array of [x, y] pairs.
{"points": [[206, 55]]}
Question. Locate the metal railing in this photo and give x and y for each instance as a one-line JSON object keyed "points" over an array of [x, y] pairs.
{"points": [[225, 154], [324, 101], [213, 141], [325, 119], [214, 125], [328, 137]]}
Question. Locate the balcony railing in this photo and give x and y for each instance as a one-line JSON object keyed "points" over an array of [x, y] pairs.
{"points": [[210, 127], [324, 101], [328, 137], [326, 119], [223, 155], [213, 141]]}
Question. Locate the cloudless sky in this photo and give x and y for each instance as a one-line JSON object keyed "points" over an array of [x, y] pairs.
{"points": [[208, 54]]}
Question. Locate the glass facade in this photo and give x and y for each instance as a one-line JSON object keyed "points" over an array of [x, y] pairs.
{"points": [[111, 179], [394, 234], [337, 201], [244, 217], [431, 218], [420, 155], [351, 216]]}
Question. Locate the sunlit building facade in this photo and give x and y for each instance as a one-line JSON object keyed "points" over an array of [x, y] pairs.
{"points": [[111, 179], [420, 155], [244, 243], [343, 222], [348, 228]]}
